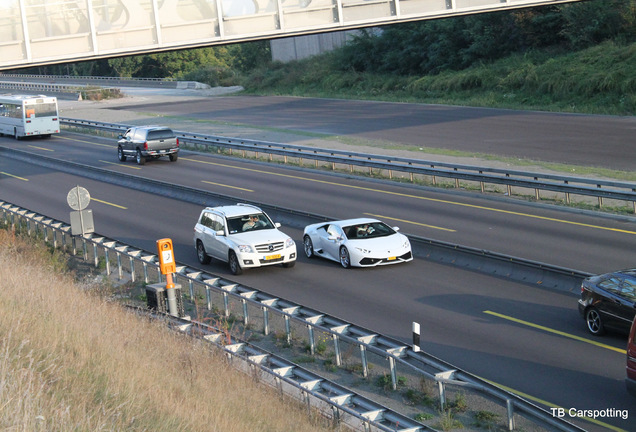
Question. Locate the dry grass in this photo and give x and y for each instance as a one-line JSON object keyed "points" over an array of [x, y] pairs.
{"points": [[72, 361]]}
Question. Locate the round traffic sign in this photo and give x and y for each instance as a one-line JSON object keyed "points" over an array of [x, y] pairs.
{"points": [[78, 198]]}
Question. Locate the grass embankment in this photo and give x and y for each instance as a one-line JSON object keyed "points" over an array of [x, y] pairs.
{"points": [[598, 80], [72, 360]]}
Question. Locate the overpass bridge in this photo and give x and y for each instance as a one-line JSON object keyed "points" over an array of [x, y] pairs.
{"points": [[38, 32]]}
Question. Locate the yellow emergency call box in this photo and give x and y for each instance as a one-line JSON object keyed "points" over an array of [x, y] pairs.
{"points": [[167, 264]]}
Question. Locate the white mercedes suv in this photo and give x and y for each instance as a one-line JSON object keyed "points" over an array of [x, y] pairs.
{"points": [[243, 236]]}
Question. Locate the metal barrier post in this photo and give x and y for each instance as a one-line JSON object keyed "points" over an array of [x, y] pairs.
{"points": [[119, 270], [393, 372], [245, 315], [510, 409], [226, 304], [208, 297], [84, 248], [107, 261], [287, 330], [310, 329], [145, 266], [363, 359], [265, 320], [95, 255], [131, 260]]}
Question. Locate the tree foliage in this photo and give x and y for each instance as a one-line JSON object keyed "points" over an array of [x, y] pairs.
{"points": [[169, 64], [456, 43]]}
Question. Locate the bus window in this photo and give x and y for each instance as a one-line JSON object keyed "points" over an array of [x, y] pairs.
{"points": [[30, 112], [46, 110]]}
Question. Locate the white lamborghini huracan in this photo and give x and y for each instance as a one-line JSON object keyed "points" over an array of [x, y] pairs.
{"points": [[361, 242]]}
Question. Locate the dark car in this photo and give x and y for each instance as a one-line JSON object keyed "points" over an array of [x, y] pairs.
{"points": [[608, 301], [630, 379]]}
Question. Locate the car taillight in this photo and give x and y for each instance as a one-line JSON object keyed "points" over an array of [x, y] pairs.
{"points": [[177, 142], [146, 145]]}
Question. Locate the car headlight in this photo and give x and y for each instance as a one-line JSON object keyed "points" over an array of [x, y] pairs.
{"points": [[289, 243], [406, 244], [363, 250], [245, 248]]}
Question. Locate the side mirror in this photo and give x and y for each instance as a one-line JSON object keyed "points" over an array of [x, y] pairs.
{"points": [[277, 224], [396, 228], [220, 233]]}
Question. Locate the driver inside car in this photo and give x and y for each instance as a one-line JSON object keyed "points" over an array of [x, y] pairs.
{"points": [[253, 222]]}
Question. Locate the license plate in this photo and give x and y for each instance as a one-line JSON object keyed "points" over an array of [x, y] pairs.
{"points": [[391, 258], [272, 257]]}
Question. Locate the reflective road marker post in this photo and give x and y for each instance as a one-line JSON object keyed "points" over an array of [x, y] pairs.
{"points": [[416, 337]]}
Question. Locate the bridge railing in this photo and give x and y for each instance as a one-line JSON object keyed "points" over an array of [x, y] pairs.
{"points": [[568, 186], [352, 347]]}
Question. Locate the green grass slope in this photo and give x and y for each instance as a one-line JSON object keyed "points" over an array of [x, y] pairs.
{"points": [[597, 80]]}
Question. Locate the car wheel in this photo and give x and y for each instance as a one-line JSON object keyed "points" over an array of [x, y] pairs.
{"points": [[140, 159], [309, 247], [345, 259], [289, 264], [594, 322], [173, 157], [235, 266], [203, 257], [120, 154]]}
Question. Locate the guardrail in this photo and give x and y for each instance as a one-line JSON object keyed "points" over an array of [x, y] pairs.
{"points": [[566, 185], [61, 91], [53, 78], [377, 353], [332, 400]]}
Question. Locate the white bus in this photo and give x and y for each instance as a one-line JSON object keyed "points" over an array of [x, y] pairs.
{"points": [[25, 115]]}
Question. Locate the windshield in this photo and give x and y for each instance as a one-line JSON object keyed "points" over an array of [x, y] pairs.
{"points": [[252, 222], [368, 230]]}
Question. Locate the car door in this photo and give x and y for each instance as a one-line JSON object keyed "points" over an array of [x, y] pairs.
{"points": [[124, 141], [618, 306], [331, 238], [128, 139], [208, 234], [627, 310], [218, 242]]}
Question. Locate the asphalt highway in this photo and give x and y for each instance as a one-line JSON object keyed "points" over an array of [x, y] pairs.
{"points": [[573, 139], [524, 336]]}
